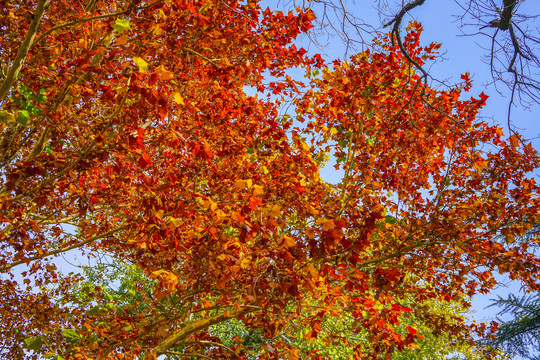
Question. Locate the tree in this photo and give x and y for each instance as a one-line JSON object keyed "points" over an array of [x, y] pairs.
{"points": [[128, 133], [521, 334], [509, 26]]}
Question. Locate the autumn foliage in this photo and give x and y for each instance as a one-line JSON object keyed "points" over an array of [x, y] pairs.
{"points": [[153, 134]]}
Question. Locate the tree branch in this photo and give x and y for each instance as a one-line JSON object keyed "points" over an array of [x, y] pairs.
{"points": [[506, 14], [397, 19], [201, 324], [65, 249], [23, 50], [397, 34]]}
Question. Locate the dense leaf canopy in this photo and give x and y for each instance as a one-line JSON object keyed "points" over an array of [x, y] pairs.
{"points": [[156, 134]]}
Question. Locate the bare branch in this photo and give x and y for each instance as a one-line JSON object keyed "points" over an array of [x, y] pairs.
{"points": [[399, 17], [506, 14]]}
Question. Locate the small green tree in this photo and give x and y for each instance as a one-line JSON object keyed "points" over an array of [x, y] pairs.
{"points": [[520, 335]]}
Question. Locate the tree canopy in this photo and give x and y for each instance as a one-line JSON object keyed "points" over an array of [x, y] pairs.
{"points": [[156, 134], [506, 30]]}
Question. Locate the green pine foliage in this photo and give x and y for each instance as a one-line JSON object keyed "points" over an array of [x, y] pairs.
{"points": [[521, 335]]}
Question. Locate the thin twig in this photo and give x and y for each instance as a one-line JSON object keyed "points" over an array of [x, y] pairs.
{"points": [[63, 250]]}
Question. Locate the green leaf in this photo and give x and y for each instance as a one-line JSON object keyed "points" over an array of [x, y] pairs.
{"points": [[34, 343], [390, 219], [104, 324], [53, 356], [93, 311], [22, 117], [41, 97], [121, 25], [71, 335], [110, 307], [343, 143]]}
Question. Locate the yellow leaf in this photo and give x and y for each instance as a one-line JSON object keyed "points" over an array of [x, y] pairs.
{"points": [[258, 190], [141, 64], [157, 30], [240, 184], [209, 204], [220, 214], [244, 263], [304, 146], [156, 274], [326, 223], [175, 222], [83, 43], [287, 241], [294, 354], [223, 257], [178, 99], [164, 74], [312, 271], [158, 213], [274, 210]]}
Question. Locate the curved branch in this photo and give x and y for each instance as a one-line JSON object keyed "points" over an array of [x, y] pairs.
{"points": [[201, 324], [397, 19], [397, 34], [23, 50]]}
